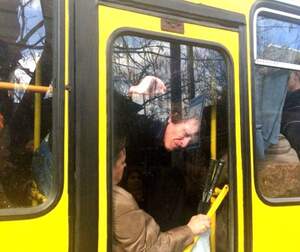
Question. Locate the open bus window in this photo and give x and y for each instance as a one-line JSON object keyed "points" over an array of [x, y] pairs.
{"points": [[277, 114], [26, 160], [167, 180]]}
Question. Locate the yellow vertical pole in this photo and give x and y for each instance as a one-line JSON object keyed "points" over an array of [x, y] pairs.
{"points": [[216, 201], [213, 229], [213, 153], [213, 133], [37, 111]]}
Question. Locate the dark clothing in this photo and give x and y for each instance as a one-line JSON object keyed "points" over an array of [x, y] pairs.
{"points": [[145, 139], [162, 170], [135, 230], [290, 124]]}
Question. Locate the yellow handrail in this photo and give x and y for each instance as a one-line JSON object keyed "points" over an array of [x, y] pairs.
{"points": [[27, 87], [219, 199], [213, 156], [37, 110], [213, 209]]}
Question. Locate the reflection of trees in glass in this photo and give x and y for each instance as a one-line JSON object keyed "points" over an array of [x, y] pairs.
{"points": [[210, 75], [31, 41], [134, 58], [278, 40], [21, 47], [202, 70]]}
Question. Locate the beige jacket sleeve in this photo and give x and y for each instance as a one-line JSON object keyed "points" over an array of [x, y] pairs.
{"points": [[135, 230]]}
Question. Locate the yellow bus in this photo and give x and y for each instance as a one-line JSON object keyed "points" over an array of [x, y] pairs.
{"points": [[67, 69]]}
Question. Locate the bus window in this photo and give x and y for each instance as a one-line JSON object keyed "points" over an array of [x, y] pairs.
{"points": [[167, 180], [277, 111], [271, 48], [26, 160]]}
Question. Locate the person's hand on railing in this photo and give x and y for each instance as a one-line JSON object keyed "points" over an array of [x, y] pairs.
{"points": [[199, 224], [149, 85]]}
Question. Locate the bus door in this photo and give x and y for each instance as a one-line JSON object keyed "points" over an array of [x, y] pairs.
{"points": [[196, 51], [33, 188], [275, 85]]}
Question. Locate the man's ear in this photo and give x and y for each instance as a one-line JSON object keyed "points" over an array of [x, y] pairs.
{"points": [[169, 120]]}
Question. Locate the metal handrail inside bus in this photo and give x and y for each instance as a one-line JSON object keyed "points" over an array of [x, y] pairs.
{"points": [[27, 87], [37, 89]]}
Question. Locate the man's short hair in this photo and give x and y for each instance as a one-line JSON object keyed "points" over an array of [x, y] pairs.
{"points": [[194, 110]]}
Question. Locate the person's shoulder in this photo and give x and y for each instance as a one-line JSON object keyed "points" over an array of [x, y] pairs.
{"points": [[123, 201], [119, 192]]}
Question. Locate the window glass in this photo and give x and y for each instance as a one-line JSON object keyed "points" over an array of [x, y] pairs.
{"points": [[271, 44], [169, 138], [26, 160], [277, 114]]}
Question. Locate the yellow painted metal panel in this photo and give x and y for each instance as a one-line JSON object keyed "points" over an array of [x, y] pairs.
{"points": [[103, 36], [275, 228], [236, 6], [239, 171], [121, 19], [48, 233]]}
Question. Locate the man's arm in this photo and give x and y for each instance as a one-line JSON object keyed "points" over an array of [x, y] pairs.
{"points": [[149, 85], [135, 230]]}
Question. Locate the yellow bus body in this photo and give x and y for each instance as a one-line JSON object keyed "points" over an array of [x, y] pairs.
{"points": [[259, 226]]}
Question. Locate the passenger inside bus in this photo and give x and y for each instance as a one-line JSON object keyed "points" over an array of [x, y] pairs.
{"points": [[133, 183], [158, 141], [290, 124], [26, 61], [278, 163], [175, 133], [133, 228]]}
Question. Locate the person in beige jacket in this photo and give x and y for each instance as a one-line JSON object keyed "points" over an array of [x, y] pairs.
{"points": [[135, 230]]}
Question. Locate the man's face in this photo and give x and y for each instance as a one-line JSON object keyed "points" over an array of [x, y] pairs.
{"points": [[179, 135]]}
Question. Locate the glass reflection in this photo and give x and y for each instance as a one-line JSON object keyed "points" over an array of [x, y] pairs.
{"points": [[168, 133], [26, 170], [278, 40], [31, 40]]}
